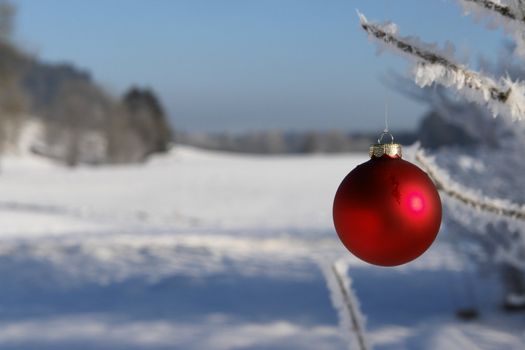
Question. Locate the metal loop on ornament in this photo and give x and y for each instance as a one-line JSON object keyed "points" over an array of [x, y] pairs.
{"points": [[380, 139], [392, 150]]}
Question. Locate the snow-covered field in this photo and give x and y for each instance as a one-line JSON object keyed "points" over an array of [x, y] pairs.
{"points": [[201, 250]]}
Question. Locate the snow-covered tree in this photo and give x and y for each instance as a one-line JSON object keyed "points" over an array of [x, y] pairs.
{"points": [[481, 186]]}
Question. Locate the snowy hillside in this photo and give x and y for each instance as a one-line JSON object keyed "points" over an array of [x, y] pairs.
{"points": [[202, 250]]}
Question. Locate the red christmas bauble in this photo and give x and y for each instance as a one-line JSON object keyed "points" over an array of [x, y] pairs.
{"points": [[387, 211]]}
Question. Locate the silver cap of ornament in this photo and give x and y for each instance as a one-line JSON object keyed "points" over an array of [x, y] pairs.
{"points": [[379, 149]]}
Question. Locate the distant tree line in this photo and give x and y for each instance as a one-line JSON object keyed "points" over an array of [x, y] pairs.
{"points": [[13, 101], [279, 142], [83, 124], [434, 132], [80, 121]]}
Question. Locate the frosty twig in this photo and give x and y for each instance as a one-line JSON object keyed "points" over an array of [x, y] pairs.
{"points": [[351, 320], [435, 66], [445, 184], [509, 14], [501, 9], [351, 306], [472, 79]]}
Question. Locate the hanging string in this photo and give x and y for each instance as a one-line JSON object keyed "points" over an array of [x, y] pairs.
{"points": [[386, 115], [386, 131]]}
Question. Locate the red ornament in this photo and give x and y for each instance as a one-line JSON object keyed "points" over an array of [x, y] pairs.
{"points": [[387, 211]]}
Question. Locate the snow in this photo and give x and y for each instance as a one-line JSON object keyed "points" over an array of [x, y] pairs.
{"points": [[209, 250]]}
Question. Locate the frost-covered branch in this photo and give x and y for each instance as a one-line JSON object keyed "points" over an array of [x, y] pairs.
{"points": [[509, 14], [437, 66], [499, 8], [351, 320], [466, 196]]}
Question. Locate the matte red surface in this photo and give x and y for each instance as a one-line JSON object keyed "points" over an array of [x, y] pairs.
{"points": [[387, 211]]}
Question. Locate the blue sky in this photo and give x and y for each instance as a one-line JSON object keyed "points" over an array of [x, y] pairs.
{"points": [[245, 64]]}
